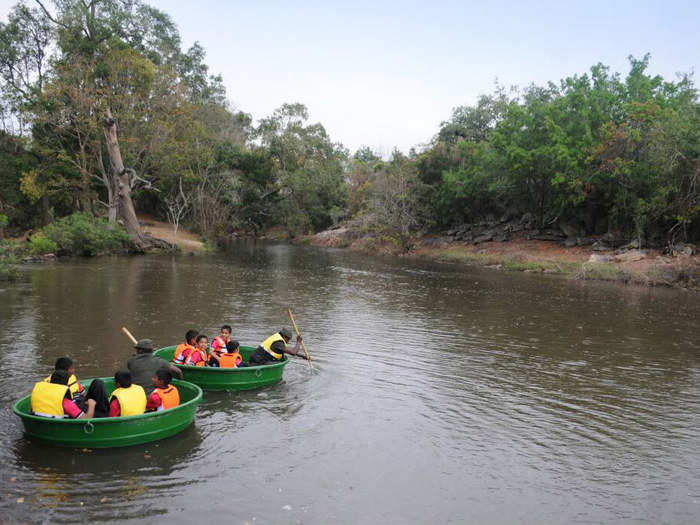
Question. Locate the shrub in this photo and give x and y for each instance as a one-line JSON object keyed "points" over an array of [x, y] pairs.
{"points": [[8, 268], [40, 245], [3, 224], [83, 234]]}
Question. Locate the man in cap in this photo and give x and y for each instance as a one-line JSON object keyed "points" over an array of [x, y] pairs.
{"points": [[144, 364], [272, 349]]}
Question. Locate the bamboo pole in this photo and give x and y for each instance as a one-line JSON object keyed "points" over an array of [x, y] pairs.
{"points": [[296, 329], [128, 334]]}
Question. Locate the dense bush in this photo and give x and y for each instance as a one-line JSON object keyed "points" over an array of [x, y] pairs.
{"points": [[40, 245], [83, 234]]}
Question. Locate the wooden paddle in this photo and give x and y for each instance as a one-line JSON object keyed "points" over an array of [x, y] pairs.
{"points": [[128, 334], [291, 318]]}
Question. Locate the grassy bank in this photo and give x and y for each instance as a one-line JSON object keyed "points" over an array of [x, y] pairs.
{"points": [[653, 270]]}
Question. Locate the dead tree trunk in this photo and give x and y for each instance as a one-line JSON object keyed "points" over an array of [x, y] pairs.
{"points": [[122, 189]]}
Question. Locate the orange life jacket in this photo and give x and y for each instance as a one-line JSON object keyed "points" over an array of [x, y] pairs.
{"points": [[202, 362], [182, 352], [230, 360], [170, 396]]}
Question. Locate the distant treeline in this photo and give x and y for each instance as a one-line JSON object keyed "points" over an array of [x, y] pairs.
{"points": [[102, 111]]}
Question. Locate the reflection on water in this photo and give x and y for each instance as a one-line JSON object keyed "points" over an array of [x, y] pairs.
{"points": [[443, 394]]}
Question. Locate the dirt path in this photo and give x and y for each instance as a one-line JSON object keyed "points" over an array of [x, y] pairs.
{"points": [[186, 241]]}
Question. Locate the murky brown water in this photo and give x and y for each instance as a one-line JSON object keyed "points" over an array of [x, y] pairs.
{"points": [[444, 394]]}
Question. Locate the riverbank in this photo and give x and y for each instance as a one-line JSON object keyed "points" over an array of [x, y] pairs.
{"points": [[185, 241], [595, 260]]}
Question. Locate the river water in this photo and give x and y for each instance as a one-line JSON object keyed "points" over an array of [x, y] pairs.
{"points": [[443, 394]]}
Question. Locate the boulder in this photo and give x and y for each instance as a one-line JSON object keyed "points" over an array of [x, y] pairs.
{"points": [[683, 249], [631, 255], [600, 246], [568, 229], [528, 219], [613, 239], [484, 237], [598, 258], [570, 242]]}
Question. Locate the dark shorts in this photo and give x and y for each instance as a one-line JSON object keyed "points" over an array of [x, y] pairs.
{"points": [[261, 357]]}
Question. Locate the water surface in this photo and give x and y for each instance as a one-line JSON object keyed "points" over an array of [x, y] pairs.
{"points": [[444, 394]]}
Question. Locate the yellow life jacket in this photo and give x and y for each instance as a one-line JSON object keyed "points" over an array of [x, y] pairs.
{"points": [[267, 345], [132, 400], [47, 399], [72, 384]]}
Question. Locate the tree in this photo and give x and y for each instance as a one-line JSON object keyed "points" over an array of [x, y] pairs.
{"points": [[309, 188], [396, 207]]}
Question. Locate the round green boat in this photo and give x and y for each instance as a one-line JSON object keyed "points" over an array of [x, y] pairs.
{"points": [[111, 432], [245, 378]]}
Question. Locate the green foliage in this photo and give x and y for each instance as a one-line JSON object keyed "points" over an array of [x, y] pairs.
{"points": [[596, 150], [8, 270], [83, 234], [41, 245]]}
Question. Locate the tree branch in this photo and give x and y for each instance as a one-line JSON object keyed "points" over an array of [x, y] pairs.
{"points": [[48, 15]]}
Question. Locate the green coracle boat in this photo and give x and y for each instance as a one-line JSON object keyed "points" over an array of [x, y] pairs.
{"points": [[111, 432], [245, 378]]}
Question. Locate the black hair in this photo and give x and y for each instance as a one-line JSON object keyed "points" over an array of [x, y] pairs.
{"points": [[123, 378], [200, 337], [59, 377], [232, 346], [63, 363], [227, 327], [164, 375], [191, 334]]}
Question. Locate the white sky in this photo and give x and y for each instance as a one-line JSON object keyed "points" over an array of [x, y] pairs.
{"points": [[385, 74]]}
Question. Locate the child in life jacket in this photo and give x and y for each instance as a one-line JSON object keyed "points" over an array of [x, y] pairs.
{"points": [[183, 350], [76, 389], [128, 399], [232, 358], [199, 356], [53, 399], [218, 345], [165, 395]]}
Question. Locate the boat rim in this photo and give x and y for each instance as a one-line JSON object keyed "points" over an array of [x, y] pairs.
{"points": [[210, 369], [107, 420]]}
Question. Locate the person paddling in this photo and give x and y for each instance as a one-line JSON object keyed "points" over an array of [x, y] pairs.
{"points": [[144, 364], [272, 349]]}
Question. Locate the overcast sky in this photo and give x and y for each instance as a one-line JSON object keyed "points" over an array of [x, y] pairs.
{"points": [[386, 73]]}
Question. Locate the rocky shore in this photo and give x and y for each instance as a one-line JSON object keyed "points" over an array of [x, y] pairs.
{"points": [[516, 244]]}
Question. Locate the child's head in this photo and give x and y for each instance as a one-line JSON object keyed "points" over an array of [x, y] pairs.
{"points": [[59, 377], [162, 378], [191, 336], [202, 341], [65, 363], [232, 346], [225, 332], [123, 378]]}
